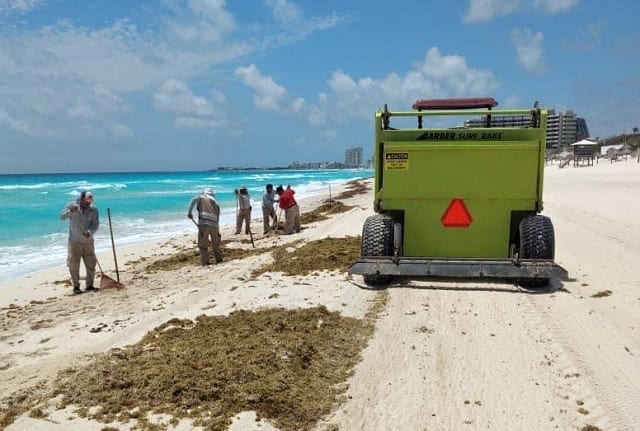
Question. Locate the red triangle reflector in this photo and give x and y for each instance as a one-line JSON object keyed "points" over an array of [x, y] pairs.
{"points": [[456, 215]]}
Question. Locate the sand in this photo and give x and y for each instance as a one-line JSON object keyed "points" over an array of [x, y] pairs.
{"points": [[444, 355]]}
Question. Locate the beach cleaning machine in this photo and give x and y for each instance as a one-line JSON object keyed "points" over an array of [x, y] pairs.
{"points": [[459, 199]]}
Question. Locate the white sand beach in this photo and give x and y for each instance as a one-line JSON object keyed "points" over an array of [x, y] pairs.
{"points": [[443, 356]]}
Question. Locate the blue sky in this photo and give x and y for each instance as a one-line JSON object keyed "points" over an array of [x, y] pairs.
{"points": [[119, 85]]}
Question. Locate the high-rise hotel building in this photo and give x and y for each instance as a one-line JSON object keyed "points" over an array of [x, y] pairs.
{"points": [[562, 128], [353, 157]]}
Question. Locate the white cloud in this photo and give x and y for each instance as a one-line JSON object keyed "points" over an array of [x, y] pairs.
{"points": [[189, 110], [114, 56], [206, 21], [325, 22], [453, 75], [267, 94], [284, 11], [270, 96], [175, 97], [46, 99], [529, 51], [485, 10], [64, 75], [436, 76], [19, 6], [555, 6], [70, 80], [298, 104], [294, 25], [348, 98], [316, 115], [196, 123]]}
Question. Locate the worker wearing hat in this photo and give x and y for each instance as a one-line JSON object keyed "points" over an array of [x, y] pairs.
{"points": [[208, 227], [268, 211], [84, 221], [243, 211]]}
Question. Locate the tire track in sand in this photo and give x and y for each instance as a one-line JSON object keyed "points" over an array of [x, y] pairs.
{"points": [[587, 343]]}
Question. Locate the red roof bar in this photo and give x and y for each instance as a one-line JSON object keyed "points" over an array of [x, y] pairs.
{"points": [[459, 103]]}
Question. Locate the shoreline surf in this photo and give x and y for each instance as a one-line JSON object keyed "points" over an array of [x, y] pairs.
{"points": [[144, 207]]}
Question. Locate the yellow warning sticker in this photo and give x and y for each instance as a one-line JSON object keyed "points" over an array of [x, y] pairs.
{"points": [[396, 161]]}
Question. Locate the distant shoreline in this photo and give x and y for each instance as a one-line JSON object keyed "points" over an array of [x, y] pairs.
{"points": [[219, 169], [288, 168]]}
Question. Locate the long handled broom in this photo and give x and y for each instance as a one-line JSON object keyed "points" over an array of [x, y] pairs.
{"points": [[107, 282]]}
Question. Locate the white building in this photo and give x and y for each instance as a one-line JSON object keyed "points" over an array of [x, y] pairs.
{"points": [[353, 157], [562, 128]]}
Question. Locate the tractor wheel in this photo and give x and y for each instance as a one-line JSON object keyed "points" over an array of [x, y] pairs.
{"points": [[536, 242], [377, 240]]}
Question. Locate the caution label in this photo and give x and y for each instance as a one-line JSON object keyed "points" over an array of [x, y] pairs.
{"points": [[396, 161]]}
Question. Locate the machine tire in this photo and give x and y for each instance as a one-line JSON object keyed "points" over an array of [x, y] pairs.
{"points": [[537, 241], [377, 240]]}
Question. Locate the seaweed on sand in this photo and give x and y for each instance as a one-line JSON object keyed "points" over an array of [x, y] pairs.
{"points": [[290, 366], [326, 254]]}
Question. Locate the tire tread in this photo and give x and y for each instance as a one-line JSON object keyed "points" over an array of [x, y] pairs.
{"points": [[537, 241], [377, 240]]}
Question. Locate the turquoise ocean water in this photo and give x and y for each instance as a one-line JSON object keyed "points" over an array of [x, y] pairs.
{"points": [[144, 207]]}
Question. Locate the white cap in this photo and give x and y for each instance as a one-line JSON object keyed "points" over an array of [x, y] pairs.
{"points": [[208, 191]]}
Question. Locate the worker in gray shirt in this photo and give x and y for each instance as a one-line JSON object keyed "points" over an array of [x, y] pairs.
{"points": [[84, 221], [208, 228], [268, 209], [243, 210]]}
